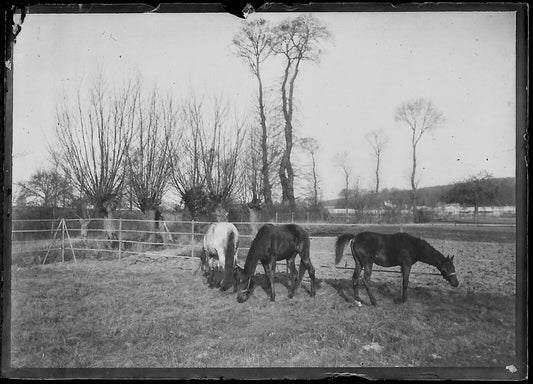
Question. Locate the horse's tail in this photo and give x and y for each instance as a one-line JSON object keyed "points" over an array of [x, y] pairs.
{"points": [[340, 244], [229, 253], [231, 246]]}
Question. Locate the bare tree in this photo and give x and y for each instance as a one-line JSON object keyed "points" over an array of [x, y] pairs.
{"points": [[420, 116], [150, 155], [253, 44], [47, 188], [205, 167], [296, 41], [252, 180], [377, 141], [310, 145], [342, 160], [187, 176], [94, 133]]}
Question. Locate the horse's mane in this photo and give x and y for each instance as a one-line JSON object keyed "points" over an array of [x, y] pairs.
{"points": [[429, 246]]}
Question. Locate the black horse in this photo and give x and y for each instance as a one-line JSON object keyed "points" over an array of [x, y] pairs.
{"points": [[398, 249], [273, 243]]}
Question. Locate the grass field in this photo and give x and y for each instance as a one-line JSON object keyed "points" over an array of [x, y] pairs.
{"points": [[145, 312]]}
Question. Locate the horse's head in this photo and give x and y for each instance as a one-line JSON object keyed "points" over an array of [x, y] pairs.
{"points": [[244, 284], [221, 214], [447, 270]]}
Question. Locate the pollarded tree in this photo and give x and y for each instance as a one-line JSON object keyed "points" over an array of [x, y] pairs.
{"points": [[421, 117], [150, 155], [296, 41], [205, 168], [93, 133]]}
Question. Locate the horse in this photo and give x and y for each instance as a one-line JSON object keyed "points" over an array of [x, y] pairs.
{"points": [[390, 250], [273, 243], [221, 244]]}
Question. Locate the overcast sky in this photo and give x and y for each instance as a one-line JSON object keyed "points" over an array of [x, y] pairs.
{"points": [[463, 62]]}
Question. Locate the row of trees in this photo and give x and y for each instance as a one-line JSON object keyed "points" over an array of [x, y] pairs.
{"points": [[474, 191], [293, 42], [126, 144], [118, 143]]}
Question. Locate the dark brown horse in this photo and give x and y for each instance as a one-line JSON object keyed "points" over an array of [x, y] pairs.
{"points": [[273, 243], [398, 249]]}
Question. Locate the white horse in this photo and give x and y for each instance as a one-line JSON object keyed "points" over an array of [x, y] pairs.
{"points": [[221, 244]]}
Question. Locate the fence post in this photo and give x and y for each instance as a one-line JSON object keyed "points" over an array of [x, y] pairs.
{"points": [[63, 240], [192, 238], [119, 238], [292, 217], [276, 217]]}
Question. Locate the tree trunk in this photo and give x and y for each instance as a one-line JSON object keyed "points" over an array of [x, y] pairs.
{"points": [[413, 182], [153, 217], [315, 183], [109, 226], [267, 188], [286, 174], [84, 230]]}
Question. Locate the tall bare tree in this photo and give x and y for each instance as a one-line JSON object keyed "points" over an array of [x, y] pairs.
{"points": [[253, 44], [94, 133], [377, 141], [150, 155], [311, 146], [295, 40], [420, 116]]}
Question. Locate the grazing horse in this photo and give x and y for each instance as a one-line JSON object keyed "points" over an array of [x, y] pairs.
{"points": [[221, 243], [273, 243], [399, 249]]}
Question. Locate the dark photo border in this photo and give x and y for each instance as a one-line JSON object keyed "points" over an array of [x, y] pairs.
{"points": [[235, 7]]}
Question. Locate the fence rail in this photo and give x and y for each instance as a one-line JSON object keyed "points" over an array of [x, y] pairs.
{"points": [[177, 239]]}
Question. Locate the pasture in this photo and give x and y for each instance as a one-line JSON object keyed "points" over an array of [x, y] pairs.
{"points": [[149, 312]]}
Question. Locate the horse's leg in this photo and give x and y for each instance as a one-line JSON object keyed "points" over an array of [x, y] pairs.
{"points": [[367, 274], [306, 261], [210, 277], [305, 265], [294, 276], [355, 280], [268, 274], [406, 270], [271, 279]]}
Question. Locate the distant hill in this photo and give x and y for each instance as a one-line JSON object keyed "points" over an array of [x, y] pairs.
{"points": [[431, 196]]}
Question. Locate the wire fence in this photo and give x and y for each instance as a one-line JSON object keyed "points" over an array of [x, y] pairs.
{"points": [[68, 239]]}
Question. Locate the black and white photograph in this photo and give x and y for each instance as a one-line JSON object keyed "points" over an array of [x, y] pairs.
{"points": [[200, 191]]}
